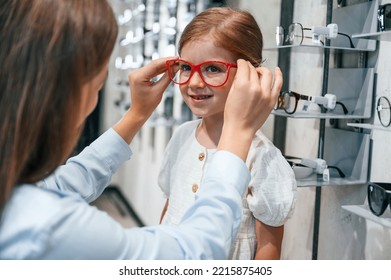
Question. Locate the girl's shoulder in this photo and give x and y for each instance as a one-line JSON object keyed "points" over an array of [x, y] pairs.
{"points": [[185, 130], [188, 126], [262, 145], [264, 158]]}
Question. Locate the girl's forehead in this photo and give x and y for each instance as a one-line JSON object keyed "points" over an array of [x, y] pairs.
{"points": [[203, 49]]}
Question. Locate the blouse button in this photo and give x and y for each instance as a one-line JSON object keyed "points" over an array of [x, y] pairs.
{"points": [[201, 156], [194, 188]]}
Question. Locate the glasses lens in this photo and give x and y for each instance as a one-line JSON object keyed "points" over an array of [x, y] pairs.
{"points": [[277, 105], [295, 35], [377, 199], [387, 17], [280, 101], [380, 17], [289, 103], [179, 71], [384, 111], [214, 73], [279, 35]]}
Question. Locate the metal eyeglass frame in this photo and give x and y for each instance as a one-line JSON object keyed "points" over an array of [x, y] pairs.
{"points": [[197, 68], [289, 38], [380, 107]]}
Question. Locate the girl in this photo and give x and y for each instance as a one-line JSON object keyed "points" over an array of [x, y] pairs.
{"points": [[209, 48]]}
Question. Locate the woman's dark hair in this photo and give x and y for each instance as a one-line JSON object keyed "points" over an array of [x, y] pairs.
{"points": [[48, 50], [233, 30]]}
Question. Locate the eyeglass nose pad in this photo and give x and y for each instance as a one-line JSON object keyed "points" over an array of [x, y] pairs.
{"points": [[279, 35], [196, 80]]}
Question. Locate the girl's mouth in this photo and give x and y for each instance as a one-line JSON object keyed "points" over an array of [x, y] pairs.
{"points": [[200, 97]]}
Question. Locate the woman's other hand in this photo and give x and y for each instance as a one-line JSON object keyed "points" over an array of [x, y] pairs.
{"points": [[250, 101]]}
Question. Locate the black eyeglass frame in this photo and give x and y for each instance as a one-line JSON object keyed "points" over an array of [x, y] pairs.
{"points": [[385, 189], [292, 164], [381, 17], [298, 96]]}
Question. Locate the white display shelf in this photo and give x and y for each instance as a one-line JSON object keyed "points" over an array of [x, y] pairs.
{"points": [[382, 36], [347, 150], [353, 88], [315, 115], [370, 126], [306, 46], [316, 180], [364, 212]]}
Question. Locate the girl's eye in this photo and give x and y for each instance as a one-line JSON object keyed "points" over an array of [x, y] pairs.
{"points": [[185, 67], [214, 69]]}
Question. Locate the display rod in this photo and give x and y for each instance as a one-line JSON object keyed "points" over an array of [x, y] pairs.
{"points": [[284, 58], [322, 125]]}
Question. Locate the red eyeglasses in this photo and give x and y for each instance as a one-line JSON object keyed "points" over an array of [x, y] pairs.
{"points": [[212, 73]]}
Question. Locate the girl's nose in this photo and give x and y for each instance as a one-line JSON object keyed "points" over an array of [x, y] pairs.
{"points": [[196, 81]]}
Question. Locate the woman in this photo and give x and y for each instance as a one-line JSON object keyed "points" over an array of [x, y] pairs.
{"points": [[54, 56]]}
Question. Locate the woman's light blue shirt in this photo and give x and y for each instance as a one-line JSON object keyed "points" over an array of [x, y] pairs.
{"points": [[53, 220]]}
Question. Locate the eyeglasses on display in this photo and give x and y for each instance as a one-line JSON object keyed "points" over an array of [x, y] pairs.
{"points": [[383, 109], [212, 73], [296, 36], [304, 167], [288, 101], [379, 197], [384, 17]]}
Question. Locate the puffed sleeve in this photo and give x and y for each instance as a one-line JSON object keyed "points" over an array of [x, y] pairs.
{"points": [[272, 189]]}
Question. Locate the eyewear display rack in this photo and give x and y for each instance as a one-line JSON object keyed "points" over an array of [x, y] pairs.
{"points": [[340, 144], [371, 125]]}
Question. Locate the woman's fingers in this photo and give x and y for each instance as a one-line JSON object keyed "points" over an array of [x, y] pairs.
{"points": [[153, 69], [268, 82], [278, 81], [146, 87]]}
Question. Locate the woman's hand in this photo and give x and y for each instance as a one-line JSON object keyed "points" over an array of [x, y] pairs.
{"points": [[252, 96], [146, 93], [145, 89]]}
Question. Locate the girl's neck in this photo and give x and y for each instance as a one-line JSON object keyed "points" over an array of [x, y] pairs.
{"points": [[209, 131]]}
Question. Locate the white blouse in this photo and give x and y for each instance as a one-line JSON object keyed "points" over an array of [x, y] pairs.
{"points": [[271, 193]]}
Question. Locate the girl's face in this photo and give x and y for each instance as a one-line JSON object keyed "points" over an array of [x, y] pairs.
{"points": [[203, 100], [89, 93]]}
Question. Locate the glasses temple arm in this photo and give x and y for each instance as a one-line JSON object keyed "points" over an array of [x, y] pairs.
{"points": [[338, 170], [345, 110], [350, 39], [306, 97]]}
